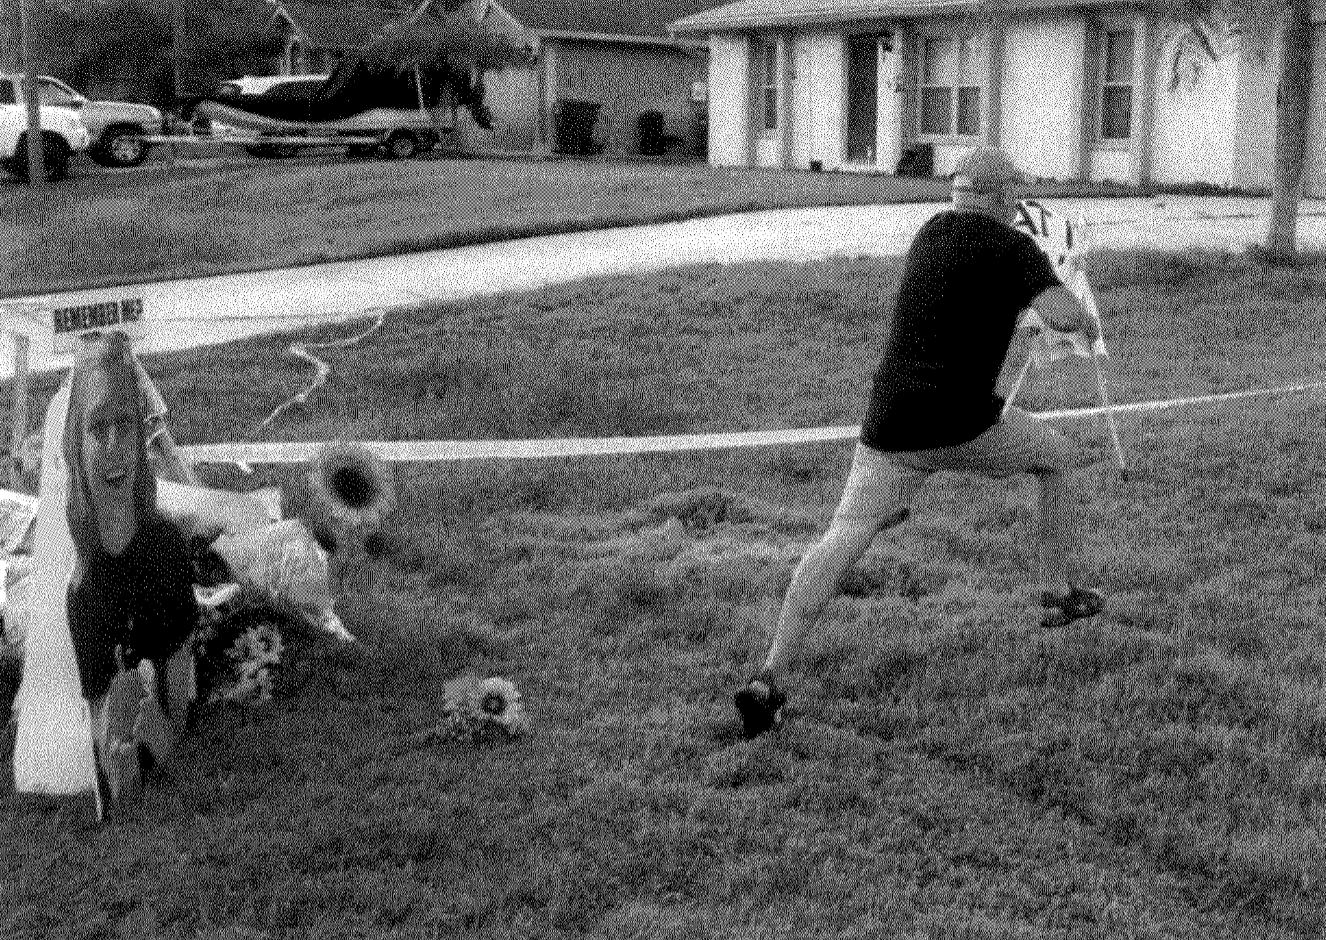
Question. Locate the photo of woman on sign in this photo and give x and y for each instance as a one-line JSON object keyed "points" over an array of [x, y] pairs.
{"points": [[130, 598], [108, 653]]}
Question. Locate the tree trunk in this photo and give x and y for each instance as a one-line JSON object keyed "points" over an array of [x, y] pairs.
{"points": [[1291, 128]]}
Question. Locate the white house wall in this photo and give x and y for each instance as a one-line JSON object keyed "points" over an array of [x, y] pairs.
{"points": [[948, 155], [512, 98], [626, 81], [1111, 165], [729, 101], [1042, 94], [1254, 132], [1193, 138]]}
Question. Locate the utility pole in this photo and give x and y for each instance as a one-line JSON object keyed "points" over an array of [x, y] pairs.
{"points": [[36, 154], [177, 66]]}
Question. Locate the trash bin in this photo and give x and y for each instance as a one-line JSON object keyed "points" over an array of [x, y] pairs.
{"points": [[917, 160], [652, 143], [575, 126]]}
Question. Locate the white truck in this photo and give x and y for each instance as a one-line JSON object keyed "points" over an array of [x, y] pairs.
{"points": [[118, 128], [62, 130]]}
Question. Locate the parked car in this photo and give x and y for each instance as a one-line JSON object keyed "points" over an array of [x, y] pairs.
{"points": [[62, 130], [117, 127]]}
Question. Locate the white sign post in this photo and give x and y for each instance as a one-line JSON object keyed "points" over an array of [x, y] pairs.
{"points": [[19, 430]]}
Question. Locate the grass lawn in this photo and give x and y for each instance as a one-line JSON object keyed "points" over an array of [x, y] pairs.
{"points": [[100, 229], [952, 770]]}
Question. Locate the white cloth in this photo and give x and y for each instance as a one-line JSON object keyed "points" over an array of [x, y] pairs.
{"points": [[53, 747]]}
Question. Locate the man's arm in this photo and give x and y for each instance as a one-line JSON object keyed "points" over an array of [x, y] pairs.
{"points": [[1063, 312]]}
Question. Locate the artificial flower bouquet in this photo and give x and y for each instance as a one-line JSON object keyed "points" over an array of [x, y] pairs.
{"points": [[248, 650], [475, 710]]}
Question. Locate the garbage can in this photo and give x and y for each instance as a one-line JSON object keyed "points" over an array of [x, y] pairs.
{"points": [[652, 143], [917, 160], [575, 125]]}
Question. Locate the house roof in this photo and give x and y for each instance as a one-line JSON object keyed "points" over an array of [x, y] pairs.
{"points": [[603, 17], [747, 14], [328, 26]]}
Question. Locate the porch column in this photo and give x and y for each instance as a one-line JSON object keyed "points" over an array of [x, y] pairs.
{"points": [[786, 64], [548, 99], [994, 80], [1145, 55], [894, 87], [1088, 106], [888, 104]]}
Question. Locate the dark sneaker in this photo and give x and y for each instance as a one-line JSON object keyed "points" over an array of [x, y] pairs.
{"points": [[760, 704], [1077, 604]]}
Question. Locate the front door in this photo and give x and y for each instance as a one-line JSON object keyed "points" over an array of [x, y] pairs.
{"points": [[862, 99]]}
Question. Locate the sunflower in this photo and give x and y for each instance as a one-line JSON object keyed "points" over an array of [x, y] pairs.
{"points": [[354, 485], [498, 700]]}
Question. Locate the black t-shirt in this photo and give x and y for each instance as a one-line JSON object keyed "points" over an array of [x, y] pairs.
{"points": [[964, 282], [141, 600]]}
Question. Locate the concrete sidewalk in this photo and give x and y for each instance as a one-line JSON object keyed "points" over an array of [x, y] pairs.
{"points": [[216, 309]]}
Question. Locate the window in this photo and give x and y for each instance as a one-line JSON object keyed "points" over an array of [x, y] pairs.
{"points": [[56, 93], [1116, 86], [950, 87], [769, 82], [7, 92]]}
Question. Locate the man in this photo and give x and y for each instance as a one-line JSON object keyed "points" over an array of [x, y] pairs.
{"points": [[967, 276]]}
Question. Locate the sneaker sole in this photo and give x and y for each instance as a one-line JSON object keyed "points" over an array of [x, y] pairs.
{"points": [[756, 715]]}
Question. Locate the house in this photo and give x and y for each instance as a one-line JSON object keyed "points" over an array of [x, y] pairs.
{"points": [[613, 59], [1073, 89], [319, 35], [598, 65]]}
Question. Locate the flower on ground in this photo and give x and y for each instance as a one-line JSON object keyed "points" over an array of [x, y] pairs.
{"points": [[254, 655], [472, 709], [499, 701], [354, 485]]}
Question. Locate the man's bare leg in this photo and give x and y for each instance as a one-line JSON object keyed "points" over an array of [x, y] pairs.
{"points": [[1060, 574], [1058, 534], [814, 584]]}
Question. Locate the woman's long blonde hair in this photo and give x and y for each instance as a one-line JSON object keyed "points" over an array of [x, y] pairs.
{"points": [[111, 354]]}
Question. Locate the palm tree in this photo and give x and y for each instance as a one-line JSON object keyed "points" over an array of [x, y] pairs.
{"points": [[448, 50]]}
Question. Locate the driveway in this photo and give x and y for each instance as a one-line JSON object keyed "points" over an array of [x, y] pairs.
{"points": [[215, 309]]}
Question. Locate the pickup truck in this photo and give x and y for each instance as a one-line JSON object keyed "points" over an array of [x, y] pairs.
{"points": [[117, 127], [63, 133]]}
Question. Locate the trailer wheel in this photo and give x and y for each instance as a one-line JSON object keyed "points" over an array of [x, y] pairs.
{"points": [[402, 145]]}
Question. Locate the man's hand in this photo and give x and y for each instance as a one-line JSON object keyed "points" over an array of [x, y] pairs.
{"points": [[1063, 312]]}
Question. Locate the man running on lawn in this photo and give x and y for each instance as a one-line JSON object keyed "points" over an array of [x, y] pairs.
{"points": [[967, 276]]}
